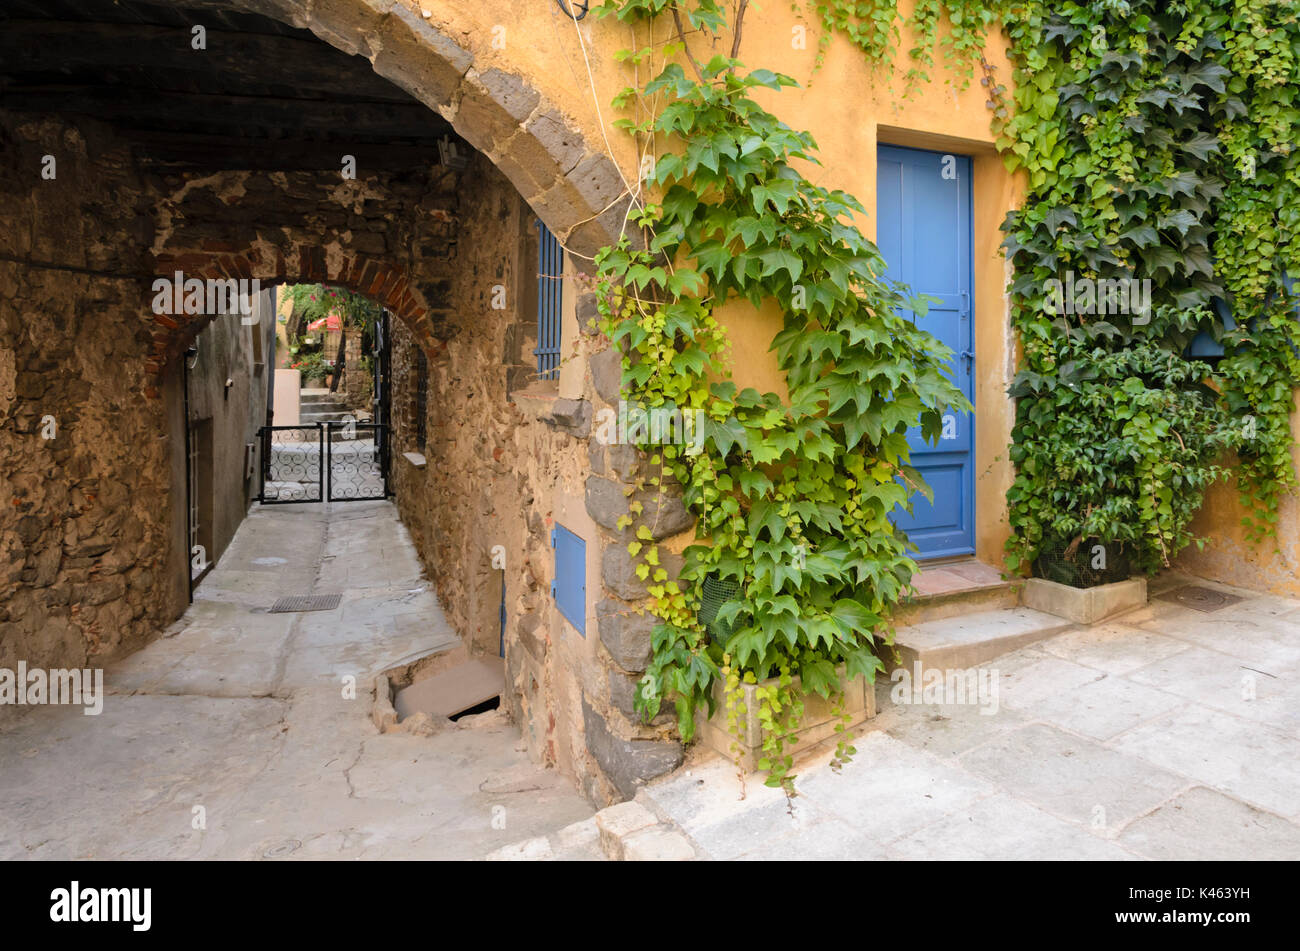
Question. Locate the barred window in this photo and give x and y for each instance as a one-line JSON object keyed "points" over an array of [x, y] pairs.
{"points": [[550, 275], [421, 397]]}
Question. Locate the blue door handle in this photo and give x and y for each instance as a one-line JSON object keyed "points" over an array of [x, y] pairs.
{"points": [[968, 355]]}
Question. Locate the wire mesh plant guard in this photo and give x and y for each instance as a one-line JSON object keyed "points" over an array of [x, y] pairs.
{"points": [[1082, 563], [715, 593]]}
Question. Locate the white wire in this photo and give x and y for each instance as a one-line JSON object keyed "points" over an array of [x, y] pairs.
{"points": [[600, 119]]}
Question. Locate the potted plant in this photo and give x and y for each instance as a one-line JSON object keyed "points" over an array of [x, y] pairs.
{"points": [[1113, 456], [312, 368]]}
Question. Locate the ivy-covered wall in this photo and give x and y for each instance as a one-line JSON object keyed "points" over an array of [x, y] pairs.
{"points": [[1157, 145], [1159, 140]]}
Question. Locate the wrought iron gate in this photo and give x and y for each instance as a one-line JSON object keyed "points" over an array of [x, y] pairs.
{"points": [[324, 462]]}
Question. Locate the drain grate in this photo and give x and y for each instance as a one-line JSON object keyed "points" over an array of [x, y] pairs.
{"points": [[1205, 600], [307, 602]]}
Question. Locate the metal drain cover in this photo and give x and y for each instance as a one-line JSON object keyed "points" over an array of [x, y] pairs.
{"points": [[1198, 598], [307, 602]]}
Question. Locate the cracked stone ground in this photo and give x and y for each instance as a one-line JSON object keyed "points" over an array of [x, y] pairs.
{"points": [[242, 713], [1163, 734]]}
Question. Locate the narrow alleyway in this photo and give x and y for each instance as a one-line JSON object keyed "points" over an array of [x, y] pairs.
{"points": [[231, 737]]}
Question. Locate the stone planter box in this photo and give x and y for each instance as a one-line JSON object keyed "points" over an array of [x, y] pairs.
{"points": [[817, 724], [1085, 605]]}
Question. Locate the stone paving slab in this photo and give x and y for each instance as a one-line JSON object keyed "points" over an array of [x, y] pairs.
{"points": [[1000, 828], [244, 714], [1073, 778], [1204, 824], [1100, 709], [1113, 648], [1212, 679], [891, 789], [945, 729], [1246, 760], [1164, 733]]}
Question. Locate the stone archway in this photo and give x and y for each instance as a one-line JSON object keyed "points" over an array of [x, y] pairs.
{"points": [[80, 341], [564, 173], [215, 188]]}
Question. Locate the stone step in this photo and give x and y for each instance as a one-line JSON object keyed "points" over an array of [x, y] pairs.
{"points": [[579, 842], [937, 607], [632, 832], [949, 589], [972, 639]]}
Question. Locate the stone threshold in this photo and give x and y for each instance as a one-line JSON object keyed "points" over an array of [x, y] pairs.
{"points": [[966, 613], [955, 587]]}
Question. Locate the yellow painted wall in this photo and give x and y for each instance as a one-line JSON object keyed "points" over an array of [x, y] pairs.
{"points": [[1272, 566], [850, 109]]}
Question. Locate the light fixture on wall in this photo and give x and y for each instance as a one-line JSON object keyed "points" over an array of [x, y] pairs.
{"points": [[452, 155]]}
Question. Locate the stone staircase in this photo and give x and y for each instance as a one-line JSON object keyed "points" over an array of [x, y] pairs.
{"points": [[322, 406], [965, 614]]}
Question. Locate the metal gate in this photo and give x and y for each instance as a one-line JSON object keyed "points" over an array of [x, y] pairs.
{"points": [[324, 462]]}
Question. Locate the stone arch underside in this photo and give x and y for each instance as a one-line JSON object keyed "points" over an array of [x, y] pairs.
{"points": [[91, 515], [568, 179], [574, 187]]}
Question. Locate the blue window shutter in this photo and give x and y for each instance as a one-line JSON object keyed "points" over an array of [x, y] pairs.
{"points": [[569, 589], [1204, 344], [550, 271]]}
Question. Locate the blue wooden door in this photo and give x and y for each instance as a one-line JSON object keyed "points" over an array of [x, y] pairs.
{"points": [[923, 208]]}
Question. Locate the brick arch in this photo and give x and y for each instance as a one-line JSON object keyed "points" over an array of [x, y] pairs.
{"points": [[383, 280], [567, 178]]}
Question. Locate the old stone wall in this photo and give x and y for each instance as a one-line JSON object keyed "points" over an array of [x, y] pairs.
{"points": [[505, 459], [87, 570], [227, 400]]}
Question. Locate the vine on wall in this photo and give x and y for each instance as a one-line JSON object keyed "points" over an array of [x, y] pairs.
{"points": [[1158, 143], [793, 497], [1158, 138]]}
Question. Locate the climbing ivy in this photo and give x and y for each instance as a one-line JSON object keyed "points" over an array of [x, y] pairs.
{"points": [[1157, 141], [793, 492], [874, 27]]}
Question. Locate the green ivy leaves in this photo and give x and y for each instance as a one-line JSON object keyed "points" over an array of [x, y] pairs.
{"points": [[1164, 158], [793, 497]]}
